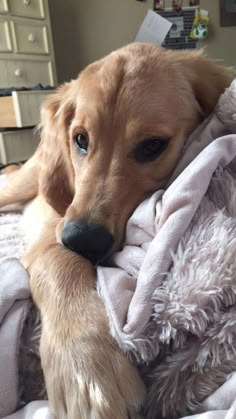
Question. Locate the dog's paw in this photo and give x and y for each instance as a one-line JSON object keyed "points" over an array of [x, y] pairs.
{"points": [[88, 377]]}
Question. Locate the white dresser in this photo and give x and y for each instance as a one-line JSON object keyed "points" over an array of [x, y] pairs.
{"points": [[26, 59]]}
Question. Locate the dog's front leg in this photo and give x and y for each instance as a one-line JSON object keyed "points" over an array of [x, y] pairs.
{"points": [[21, 186], [87, 376]]}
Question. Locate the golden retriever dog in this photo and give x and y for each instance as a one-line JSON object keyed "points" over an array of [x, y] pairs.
{"points": [[109, 139]]}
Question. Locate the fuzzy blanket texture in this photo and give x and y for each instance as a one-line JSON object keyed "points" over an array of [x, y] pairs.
{"points": [[171, 294]]}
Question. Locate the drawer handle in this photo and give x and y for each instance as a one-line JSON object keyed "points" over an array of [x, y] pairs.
{"points": [[31, 37], [18, 72], [26, 2]]}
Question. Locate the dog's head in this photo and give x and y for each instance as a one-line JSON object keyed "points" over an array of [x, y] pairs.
{"points": [[114, 135]]}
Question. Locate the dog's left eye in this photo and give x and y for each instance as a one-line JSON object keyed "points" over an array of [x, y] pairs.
{"points": [[82, 142], [148, 150]]}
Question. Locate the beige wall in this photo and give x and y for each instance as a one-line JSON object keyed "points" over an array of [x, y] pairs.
{"points": [[221, 43], [85, 30]]}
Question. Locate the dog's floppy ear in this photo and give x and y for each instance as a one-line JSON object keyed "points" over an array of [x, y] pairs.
{"points": [[207, 78], [56, 180]]}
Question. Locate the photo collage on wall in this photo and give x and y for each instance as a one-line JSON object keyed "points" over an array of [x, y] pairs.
{"points": [[182, 19]]}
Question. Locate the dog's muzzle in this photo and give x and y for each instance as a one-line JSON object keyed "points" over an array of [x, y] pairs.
{"points": [[92, 241]]}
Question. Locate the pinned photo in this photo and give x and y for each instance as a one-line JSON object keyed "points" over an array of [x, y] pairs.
{"points": [[194, 2], [159, 4], [177, 5]]}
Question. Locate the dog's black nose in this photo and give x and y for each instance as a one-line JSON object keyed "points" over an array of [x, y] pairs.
{"points": [[92, 241]]}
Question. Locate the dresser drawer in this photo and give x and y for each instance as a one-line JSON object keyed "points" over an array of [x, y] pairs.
{"points": [[3, 6], [22, 109], [29, 38], [27, 8], [25, 73], [5, 40], [17, 145]]}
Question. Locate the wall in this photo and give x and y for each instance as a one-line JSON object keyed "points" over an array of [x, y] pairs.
{"points": [[221, 42], [85, 30]]}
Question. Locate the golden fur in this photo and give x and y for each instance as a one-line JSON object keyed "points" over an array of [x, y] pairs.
{"points": [[138, 92]]}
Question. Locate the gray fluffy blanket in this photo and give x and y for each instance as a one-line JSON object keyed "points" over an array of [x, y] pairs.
{"points": [[194, 309]]}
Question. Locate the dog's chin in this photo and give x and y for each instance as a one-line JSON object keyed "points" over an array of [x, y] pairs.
{"points": [[108, 260]]}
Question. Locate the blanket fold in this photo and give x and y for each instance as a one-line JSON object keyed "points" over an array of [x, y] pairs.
{"points": [[14, 305]]}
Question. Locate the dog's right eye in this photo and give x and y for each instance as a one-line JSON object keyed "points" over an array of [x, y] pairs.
{"points": [[82, 142], [148, 150]]}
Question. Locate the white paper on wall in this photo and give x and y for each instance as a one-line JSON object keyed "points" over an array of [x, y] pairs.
{"points": [[153, 29]]}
